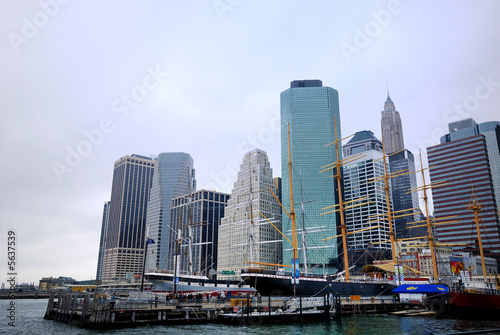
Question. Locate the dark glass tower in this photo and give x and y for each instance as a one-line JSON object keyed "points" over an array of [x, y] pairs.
{"points": [[402, 199], [200, 217], [310, 109], [102, 242], [132, 178]]}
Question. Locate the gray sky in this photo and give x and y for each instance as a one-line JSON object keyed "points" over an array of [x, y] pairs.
{"points": [[84, 83]]}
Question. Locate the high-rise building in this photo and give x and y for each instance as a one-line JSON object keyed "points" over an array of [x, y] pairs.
{"points": [[362, 178], [404, 202], [197, 216], [309, 109], [124, 252], [174, 176], [244, 234], [102, 242], [468, 160], [392, 129], [491, 133]]}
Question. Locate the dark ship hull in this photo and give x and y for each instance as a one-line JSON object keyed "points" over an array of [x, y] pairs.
{"points": [[475, 303], [273, 283]]}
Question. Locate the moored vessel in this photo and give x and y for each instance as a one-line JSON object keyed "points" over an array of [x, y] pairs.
{"points": [[164, 282]]}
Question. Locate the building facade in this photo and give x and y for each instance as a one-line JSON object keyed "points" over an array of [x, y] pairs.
{"points": [[310, 111], [362, 178], [174, 176], [125, 237], [244, 234], [392, 128], [102, 242], [196, 218], [468, 161], [403, 201]]}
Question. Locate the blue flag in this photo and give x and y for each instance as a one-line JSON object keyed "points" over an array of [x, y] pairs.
{"points": [[150, 241]]}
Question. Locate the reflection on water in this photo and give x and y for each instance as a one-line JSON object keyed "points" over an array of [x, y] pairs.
{"points": [[29, 320]]}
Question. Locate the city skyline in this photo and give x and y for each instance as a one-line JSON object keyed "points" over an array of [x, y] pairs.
{"points": [[86, 83]]}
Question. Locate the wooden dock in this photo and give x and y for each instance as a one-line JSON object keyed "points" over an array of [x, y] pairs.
{"points": [[92, 310], [89, 310]]}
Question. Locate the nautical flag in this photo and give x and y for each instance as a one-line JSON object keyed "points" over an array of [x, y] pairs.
{"points": [[150, 241]]}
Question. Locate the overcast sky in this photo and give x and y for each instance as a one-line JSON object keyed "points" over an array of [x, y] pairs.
{"points": [[84, 83]]}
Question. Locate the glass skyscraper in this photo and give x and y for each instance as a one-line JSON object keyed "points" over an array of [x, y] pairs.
{"points": [[124, 252], [102, 242], [174, 176], [200, 214], [309, 109], [402, 200]]}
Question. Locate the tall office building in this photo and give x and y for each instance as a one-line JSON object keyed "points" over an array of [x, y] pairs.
{"points": [[244, 234], [403, 201], [174, 176], [468, 159], [392, 129], [309, 109], [197, 216], [362, 178], [124, 252], [102, 242]]}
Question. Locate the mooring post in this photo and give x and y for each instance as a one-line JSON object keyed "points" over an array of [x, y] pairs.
{"points": [[248, 305], [269, 304], [49, 306], [73, 307]]}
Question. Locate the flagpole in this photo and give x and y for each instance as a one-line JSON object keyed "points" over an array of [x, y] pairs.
{"points": [[144, 258]]}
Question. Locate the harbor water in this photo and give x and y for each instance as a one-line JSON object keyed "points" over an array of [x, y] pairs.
{"points": [[29, 320]]}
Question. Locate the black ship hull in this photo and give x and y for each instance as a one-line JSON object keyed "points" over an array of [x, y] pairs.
{"points": [[269, 283]]}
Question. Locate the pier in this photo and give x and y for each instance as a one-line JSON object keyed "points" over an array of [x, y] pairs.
{"points": [[91, 310], [94, 310]]}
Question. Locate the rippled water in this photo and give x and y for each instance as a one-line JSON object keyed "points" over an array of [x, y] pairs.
{"points": [[29, 320]]}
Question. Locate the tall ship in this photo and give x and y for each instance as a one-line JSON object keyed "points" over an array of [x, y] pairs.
{"points": [[470, 295], [164, 281], [292, 282]]}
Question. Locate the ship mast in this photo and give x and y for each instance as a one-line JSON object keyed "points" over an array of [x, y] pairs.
{"points": [[429, 226], [292, 218], [341, 205], [475, 206], [251, 213], [338, 179], [176, 256], [389, 211], [304, 250]]}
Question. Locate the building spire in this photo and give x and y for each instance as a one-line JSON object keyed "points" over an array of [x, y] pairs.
{"points": [[388, 95]]}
